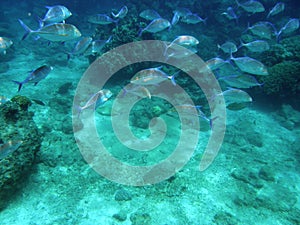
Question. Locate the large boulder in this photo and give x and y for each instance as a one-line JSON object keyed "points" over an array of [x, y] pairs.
{"points": [[16, 124]]}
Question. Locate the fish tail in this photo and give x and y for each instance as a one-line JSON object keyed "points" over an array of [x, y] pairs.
{"points": [[204, 21], [172, 78], [114, 15], [109, 39], [248, 27], [140, 32], [278, 36], [18, 83], [41, 22], [238, 4], [241, 44], [79, 110], [26, 28], [211, 122]]}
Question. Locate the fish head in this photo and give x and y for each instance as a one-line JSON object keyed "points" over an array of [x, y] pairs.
{"points": [[77, 33], [67, 12]]}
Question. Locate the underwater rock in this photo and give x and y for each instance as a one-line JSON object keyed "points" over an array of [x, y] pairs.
{"points": [[224, 218], [288, 117], [16, 108], [15, 167], [140, 217], [254, 138], [65, 88], [282, 198], [123, 195], [66, 125], [22, 101], [4, 67], [120, 216], [266, 173], [248, 177]]}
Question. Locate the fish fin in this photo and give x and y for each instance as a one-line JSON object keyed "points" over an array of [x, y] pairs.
{"points": [[36, 83], [63, 21], [109, 39], [40, 21], [39, 102], [18, 83], [26, 28], [48, 7]]}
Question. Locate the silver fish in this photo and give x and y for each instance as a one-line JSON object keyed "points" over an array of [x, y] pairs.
{"points": [[139, 91], [278, 8], [179, 53], [233, 95], [56, 14], [8, 148], [182, 12], [230, 14], [172, 50], [215, 63], [54, 32], [122, 13], [240, 81], [96, 46], [5, 43], [256, 46], [175, 19], [289, 27], [263, 29], [228, 47], [250, 65], [193, 19], [185, 40], [251, 6], [97, 99], [151, 76], [155, 26], [35, 76], [81, 46], [102, 19], [149, 14]]}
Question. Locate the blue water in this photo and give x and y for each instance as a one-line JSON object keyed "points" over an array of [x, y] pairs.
{"points": [[213, 144]]}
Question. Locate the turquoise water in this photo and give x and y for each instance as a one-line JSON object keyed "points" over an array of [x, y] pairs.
{"points": [[219, 147]]}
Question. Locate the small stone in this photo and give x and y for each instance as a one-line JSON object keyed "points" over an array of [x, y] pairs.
{"points": [[140, 217], [120, 216], [123, 195], [266, 173]]}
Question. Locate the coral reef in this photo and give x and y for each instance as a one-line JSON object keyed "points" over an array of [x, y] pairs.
{"points": [[283, 79], [16, 123]]}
